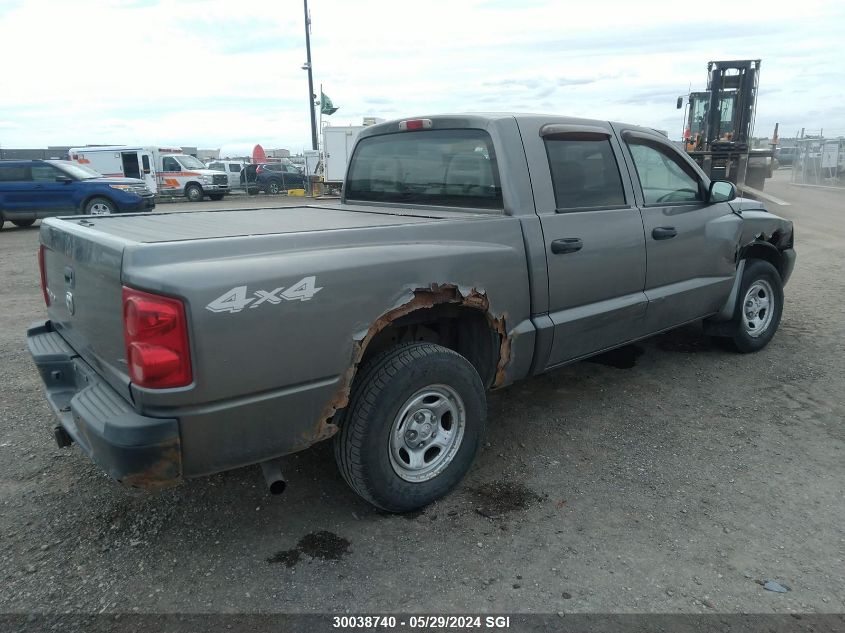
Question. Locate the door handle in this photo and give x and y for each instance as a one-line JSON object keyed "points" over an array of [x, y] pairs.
{"points": [[567, 245], [664, 232]]}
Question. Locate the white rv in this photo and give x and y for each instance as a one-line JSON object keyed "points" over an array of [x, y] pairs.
{"points": [[168, 171]]}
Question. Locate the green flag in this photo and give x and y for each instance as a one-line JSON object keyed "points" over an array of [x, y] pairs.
{"points": [[326, 105]]}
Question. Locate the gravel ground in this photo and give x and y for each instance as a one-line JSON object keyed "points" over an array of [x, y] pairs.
{"points": [[669, 476]]}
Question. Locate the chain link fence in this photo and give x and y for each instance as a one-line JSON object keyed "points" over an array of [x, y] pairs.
{"points": [[819, 162]]}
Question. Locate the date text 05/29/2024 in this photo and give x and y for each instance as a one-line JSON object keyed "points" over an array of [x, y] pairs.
{"points": [[389, 622]]}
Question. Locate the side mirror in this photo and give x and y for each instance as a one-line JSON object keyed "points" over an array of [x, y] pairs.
{"points": [[721, 191], [64, 179], [680, 103]]}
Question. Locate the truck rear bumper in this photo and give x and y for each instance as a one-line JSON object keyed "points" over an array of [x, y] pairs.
{"points": [[133, 449]]}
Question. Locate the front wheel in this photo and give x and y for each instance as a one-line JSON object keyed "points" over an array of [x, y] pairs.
{"points": [[23, 223], [759, 307], [99, 206], [415, 419], [193, 193]]}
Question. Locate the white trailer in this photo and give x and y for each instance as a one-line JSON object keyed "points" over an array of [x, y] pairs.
{"points": [[168, 171], [337, 150]]}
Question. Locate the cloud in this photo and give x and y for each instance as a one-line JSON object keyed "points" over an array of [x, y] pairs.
{"points": [[210, 72]]}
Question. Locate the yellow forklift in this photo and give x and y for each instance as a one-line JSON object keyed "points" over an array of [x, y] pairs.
{"points": [[720, 123]]}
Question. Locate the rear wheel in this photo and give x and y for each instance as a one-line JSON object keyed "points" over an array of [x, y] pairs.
{"points": [[99, 206], [193, 192], [215, 196], [22, 223], [412, 428], [759, 307], [274, 187]]}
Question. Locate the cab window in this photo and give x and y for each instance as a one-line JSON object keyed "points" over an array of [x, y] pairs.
{"points": [[584, 173], [170, 164], [664, 177]]}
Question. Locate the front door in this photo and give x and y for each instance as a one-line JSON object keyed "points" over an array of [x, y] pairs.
{"points": [[593, 233], [690, 243], [51, 196]]}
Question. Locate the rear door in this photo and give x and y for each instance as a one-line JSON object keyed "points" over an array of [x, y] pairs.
{"points": [[16, 192], [131, 162], [690, 244], [593, 235]]}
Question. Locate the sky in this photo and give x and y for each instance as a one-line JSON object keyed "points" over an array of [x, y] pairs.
{"points": [[206, 73]]}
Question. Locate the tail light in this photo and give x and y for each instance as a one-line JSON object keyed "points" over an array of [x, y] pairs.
{"points": [[43, 270], [156, 334]]}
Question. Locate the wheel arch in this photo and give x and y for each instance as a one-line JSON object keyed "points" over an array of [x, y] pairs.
{"points": [[759, 249], [458, 319]]}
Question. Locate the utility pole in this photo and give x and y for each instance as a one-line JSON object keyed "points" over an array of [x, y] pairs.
{"points": [[310, 77]]}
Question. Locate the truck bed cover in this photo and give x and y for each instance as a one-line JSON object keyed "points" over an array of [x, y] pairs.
{"points": [[193, 225]]}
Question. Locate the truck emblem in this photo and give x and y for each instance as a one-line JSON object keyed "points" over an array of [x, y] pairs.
{"points": [[236, 299]]}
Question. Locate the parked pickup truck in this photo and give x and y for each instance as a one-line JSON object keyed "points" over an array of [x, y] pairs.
{"points": [[467, 252]]}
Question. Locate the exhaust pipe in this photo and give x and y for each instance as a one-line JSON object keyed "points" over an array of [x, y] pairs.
{"points": [[274, 477]]}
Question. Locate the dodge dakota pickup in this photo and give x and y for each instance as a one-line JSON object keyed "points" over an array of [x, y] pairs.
{"points": [[466, 252]]}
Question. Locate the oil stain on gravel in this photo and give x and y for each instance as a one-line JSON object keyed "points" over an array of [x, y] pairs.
{"points": [[324, 545], [620, 358], [498, 498]]}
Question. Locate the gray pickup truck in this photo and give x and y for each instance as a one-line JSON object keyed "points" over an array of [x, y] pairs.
{"points": [[467, 252]]}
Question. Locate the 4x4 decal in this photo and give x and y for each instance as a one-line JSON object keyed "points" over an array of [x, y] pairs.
{"points": [[236, 299]]}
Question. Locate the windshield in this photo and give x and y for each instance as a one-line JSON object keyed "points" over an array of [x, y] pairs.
{"points": [[77, 172], [189, 162], [455, 168]]}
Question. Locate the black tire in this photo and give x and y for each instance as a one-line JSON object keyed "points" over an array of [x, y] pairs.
{"points": [[760, 274], [274, 187], [193, 192], [23, 223], [384, 387], [2, 222], [216, 196], [99, 206]]}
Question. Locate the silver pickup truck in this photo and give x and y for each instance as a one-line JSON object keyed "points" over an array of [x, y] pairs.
{"points": [[467, 252]]}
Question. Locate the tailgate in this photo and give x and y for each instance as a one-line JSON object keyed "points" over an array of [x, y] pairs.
{"points": [[83, 275]]}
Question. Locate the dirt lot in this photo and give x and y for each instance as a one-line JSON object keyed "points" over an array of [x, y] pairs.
{"points": [[669, 476]]}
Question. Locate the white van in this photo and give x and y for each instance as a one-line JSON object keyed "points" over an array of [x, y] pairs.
{"points": [[168, 171]]}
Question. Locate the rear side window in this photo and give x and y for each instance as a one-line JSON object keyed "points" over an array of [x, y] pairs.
{"points": [[14, 173], [455, 168], [584, 173], [215, 165], [234, 168]]}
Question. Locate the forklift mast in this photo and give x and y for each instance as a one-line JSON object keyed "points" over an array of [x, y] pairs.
{"points": [[732, 88], [720, 124]]}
